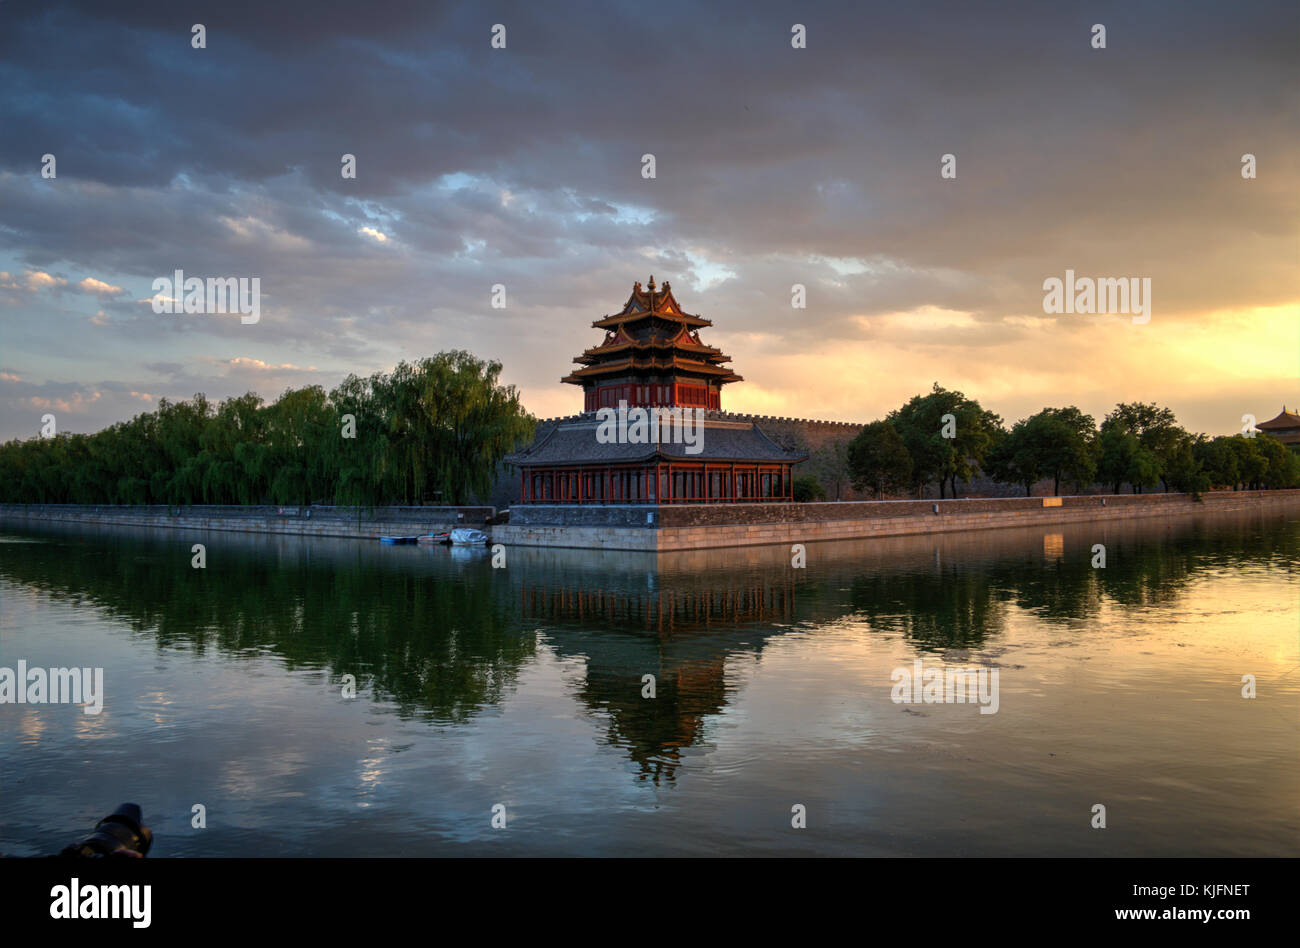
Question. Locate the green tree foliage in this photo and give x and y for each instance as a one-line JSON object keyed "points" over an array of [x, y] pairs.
{"points": [[807, 489], [1121, 458], [1242, 463], [1055, 443], [1252, 464], [878, 460], [1015, 459], [1066, 437], [937, 458], [434, 430], [1283, 468], [1157, 431], [1182, 470], [1139, 444], [1218, 460]]}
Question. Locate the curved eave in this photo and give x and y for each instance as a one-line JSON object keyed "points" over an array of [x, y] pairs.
{"points": [[574, 379], [670, 365], [707, 352], [656, 455], [579, 445], [621, 318], [1283, 422]]}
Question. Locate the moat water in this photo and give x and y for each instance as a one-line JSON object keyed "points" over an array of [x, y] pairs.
{"points": [[521, 689]]}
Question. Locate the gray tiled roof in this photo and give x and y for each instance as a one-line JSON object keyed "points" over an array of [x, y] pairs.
{"points": [[577, 444]]}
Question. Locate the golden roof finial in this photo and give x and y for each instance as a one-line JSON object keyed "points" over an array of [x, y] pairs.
{"points": [[652, 283]]}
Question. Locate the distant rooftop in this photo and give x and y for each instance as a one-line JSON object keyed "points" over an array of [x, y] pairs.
{"points": [[1287, 419]]}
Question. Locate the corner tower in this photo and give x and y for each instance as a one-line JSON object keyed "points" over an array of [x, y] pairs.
{"points": [[652, 355], [684, 449]]}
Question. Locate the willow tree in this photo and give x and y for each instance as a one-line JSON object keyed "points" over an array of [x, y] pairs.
{"points": [[359, 455], [469, 422], [435, 429]]}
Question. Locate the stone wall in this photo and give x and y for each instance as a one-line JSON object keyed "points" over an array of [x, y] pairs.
{"points": [[677, 527], [362, 523], [816, 439], [630, 516], [722, 514], [706, 526]]}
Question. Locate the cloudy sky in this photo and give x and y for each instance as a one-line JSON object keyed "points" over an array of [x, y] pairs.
{"points": [[523, 166]]}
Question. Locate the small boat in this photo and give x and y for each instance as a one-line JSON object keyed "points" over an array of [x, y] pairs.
{"points": [[468, 536], [392, 540], [443, 537]]}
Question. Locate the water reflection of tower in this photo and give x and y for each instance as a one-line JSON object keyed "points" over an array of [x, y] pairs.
{"points": [[683, 635]]}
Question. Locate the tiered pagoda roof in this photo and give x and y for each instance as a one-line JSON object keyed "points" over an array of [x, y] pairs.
{"points": [[682, 448], [1287, 419], [651, 335], [1285, 427]]}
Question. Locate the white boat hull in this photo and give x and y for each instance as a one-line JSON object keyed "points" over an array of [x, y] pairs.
{"points": [[467, 536]]}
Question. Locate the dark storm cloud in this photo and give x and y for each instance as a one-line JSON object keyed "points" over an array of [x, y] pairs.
{"points": [[770, 161]]}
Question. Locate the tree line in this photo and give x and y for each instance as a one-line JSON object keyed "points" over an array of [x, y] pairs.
{"points": [[945, 438], [430, 431], [436, 430]]}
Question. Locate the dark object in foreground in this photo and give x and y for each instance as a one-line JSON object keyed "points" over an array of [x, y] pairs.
{"points": [[121, 833]]}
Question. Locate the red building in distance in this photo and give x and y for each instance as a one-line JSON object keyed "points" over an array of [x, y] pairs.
{"points": [[1285, 427], [652, 364]]}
